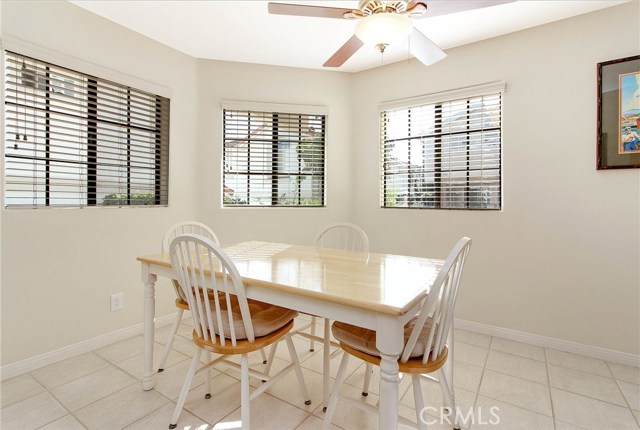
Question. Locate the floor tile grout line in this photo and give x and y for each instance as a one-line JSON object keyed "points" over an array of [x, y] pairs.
{"points": [[29, 397], [102, 398], [509, 403], [108, 363], [620, 389], [484, 368], [546, 366], [582, 370], [573, 425], [514, 376], [239, 407], [517, 406], [517, 377], [584, 395], [156, 410], [59, 403], [46, 391], [593, 398], [266, 392], [114, 393], [137, 381]]}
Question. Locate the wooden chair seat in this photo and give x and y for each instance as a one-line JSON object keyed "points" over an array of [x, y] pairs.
{"points": [[181, 304], [364, 339], [227, 323], [425, 344], [242, 346], [413, 365]]}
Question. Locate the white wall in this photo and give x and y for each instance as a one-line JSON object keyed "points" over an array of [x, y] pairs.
{"points": [[567, 269], [562, 257], [60, 266], [248, 82]]}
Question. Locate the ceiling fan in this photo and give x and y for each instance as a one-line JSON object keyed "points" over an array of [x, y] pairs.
{"points": [[380, 23]]}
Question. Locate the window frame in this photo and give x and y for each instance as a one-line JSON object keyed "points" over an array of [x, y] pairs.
{"points": [[93, 75], [275, 110], [437, 100]]}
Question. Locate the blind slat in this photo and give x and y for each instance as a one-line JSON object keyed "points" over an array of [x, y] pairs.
{"points": [[273, 158], [77, 140], [444, 154]]}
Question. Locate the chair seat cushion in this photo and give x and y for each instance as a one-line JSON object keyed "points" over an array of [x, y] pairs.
{"points": [[266, 318], [364, 339]]}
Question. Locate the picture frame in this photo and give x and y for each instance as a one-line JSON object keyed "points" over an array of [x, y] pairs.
{"points": [[618, 125]]}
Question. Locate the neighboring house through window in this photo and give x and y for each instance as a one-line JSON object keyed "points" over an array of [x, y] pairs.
{"points": [[273, 155], [443, 151], [76, 140]]}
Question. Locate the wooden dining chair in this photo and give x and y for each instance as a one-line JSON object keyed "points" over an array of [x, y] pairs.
{"points": [[181, 301], [339, 235], [425, 350], [225, 321], [182, 305]]}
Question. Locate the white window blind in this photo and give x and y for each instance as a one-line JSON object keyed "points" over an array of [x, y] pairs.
{"points": [[273, 158], [444, 154], [75, 140]]}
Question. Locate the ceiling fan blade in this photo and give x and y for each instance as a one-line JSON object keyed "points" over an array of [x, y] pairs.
{"points": [[345, 52], [303, 10], [424, 49], [443, 7]]}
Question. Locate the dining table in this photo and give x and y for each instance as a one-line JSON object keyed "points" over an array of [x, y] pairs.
{"points": [[378, 291]]}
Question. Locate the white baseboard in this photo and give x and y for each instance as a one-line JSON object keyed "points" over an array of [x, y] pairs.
{"points": [[24, 366], [550, 342]]}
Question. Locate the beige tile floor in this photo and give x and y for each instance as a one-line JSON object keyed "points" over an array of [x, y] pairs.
{"points": [[528, 387]]}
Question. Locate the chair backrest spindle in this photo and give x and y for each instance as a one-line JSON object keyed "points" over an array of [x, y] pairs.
{"points": [[439, 305], [218, 301], [187, 227], [343, 235]]}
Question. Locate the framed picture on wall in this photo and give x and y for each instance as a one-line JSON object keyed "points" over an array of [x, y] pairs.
{"points": [[619, 114]]}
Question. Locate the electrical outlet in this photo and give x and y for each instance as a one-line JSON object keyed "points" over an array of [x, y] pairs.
{"points": [[117, 302]]}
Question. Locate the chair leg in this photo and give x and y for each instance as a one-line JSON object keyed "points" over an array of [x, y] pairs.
{"points": [[264, 356], [448, 365], [270, 360], [169, 342], [272, 354], [418, 401], [313, 333], [207, 395], [245, 395], [297, 369], [448, 397], [368, 370], [333, 400], [326, 364], [185, 388]]}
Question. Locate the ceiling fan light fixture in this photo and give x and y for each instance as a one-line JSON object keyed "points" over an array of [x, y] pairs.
{"points": [[383, 28]]}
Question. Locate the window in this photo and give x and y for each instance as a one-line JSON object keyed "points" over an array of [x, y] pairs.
{"points": [[273, 158], [443, 151], [75, 140]]}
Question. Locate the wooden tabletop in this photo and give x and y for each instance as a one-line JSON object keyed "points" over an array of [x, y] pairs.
{"points": [[385, 283]]}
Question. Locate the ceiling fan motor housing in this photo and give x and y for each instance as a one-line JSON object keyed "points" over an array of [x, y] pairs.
{"points": [[371, 7]]}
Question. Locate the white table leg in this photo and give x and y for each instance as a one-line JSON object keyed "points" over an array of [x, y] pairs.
{"points": [[326, 363], [389, 341], [149, 326]]}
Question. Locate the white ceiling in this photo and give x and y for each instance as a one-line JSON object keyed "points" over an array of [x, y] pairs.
{"points": [[243, 30]]}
